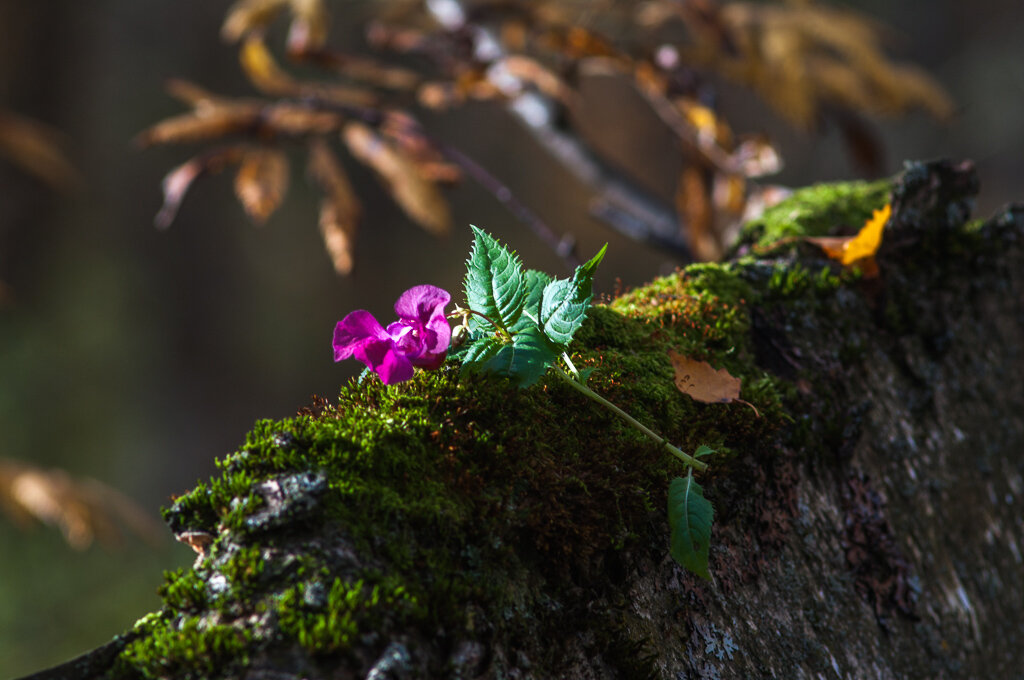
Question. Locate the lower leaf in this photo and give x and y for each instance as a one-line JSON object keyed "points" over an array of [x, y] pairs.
{"points": [[689, 518]]}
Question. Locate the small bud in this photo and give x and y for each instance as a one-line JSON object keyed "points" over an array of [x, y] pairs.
{"points": [[459, 335]]}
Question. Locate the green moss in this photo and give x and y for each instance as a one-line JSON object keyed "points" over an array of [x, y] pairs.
{"points": [[819, 210], [325, 622], [187, 648], [183, 590]]}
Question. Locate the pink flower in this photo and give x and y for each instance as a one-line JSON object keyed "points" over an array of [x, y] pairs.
{"points": [[420, 337]]}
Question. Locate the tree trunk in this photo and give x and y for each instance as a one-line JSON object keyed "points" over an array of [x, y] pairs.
{"points": [[867, 514]]}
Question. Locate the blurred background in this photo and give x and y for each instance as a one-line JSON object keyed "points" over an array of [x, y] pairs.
{"points": [[135, 356]]}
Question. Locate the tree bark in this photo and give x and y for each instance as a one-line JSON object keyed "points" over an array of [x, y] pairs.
{"points": [[867, 524]]}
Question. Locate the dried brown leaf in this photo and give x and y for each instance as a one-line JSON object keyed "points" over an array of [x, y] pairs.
{"points": [[261, 182], [419, 197], [34, 147], [267, 76], [702, 382], [177, 182], [194, 95], [249, 16], [339, 210], [83, 509], [262, 69], [308, 30], [361, 69], [297, 120], [201, 125]]}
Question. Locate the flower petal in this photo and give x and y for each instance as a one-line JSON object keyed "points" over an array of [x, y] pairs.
{"points": [[422, 303], [354, 331], [393, 367]]}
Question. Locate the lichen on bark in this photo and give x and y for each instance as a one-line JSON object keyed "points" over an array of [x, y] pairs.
{"points": [[458, 527]]}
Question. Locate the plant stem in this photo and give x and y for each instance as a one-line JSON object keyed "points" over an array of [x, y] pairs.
{"points": [[675, 451]]}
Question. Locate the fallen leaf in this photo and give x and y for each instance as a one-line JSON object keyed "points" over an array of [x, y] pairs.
{"points": [[262, 181], [703, 382], [860, 248]]}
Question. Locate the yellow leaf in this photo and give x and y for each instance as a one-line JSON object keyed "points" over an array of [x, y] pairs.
{"points": [[262, 69], [867, 240]]}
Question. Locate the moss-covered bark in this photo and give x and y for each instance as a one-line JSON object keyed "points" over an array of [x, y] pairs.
{"points": [[867, 520]]}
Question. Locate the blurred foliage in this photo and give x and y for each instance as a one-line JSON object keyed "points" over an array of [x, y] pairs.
{"points": [[811, 63]]}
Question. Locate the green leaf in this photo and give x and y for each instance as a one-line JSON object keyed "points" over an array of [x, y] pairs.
{"points": [[565, 302], [479, 351], [494, 282], [534, 282], [703, 450], [526, 359], [689, 518]]}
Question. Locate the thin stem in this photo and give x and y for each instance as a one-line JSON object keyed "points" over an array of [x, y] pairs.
{"points": [[675, 451]]}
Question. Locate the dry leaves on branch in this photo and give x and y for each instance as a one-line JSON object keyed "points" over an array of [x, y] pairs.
{"points": [[308, 29], [704, 383], [417, 195], [83, 509]]}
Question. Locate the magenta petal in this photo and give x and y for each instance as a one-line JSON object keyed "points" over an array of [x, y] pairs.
{"points": [[394, 368], [422, 303], [354, 331]]}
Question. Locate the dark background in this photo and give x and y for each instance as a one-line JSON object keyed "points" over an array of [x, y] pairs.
{"points": [[136, 356]]}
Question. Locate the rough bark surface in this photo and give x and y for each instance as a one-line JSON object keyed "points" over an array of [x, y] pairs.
{"points": [[868, 524]]}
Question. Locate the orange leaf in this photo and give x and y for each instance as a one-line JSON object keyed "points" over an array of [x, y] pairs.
{"points": [[262, 182], [851, 249], [702, 382], [867, 240]]}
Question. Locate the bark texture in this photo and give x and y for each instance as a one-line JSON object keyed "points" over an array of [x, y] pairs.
{"points": [[868, 521]]}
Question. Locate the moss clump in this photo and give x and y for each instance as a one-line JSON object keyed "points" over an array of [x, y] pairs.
{"points": [[819, 210], [326, 621], [186, 648]]}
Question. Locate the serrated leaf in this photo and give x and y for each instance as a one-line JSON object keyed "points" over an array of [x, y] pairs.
{"points": [[494, 281], [689, 518], [535, 282], [476, 353], [526, 359], [565, 302]]}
